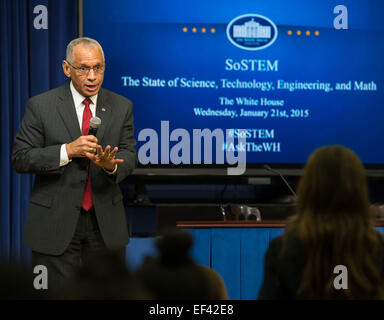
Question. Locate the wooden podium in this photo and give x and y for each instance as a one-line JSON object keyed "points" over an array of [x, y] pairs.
{"points": [[236, 250]]}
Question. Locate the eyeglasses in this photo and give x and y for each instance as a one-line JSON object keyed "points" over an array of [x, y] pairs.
{"points": [[83, 70]]}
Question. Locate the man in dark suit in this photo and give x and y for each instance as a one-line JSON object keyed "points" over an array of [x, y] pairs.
{"points": [[76, 206]]}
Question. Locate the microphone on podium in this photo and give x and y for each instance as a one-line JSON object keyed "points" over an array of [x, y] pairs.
{"points": [[281, 176]]}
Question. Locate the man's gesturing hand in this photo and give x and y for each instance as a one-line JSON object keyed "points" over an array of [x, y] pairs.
{"points": [[82, 145], [105, 159]]}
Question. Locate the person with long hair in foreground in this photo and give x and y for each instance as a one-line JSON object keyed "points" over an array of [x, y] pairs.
{"points": [[333, 226]]}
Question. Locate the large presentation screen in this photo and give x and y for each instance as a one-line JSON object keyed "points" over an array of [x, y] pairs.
{"points": [[295, 75]]}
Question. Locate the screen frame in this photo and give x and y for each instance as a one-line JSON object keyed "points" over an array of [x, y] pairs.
{"points": [[252, 169]]}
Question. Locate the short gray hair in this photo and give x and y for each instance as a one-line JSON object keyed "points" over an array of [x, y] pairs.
{"points": [[87, 42]]}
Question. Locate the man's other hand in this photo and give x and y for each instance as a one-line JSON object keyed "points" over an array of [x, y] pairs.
{"points": [[105, 159]]}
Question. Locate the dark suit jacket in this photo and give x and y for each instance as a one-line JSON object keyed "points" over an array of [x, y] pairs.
{"points": [[282, 273], [50, 120]]}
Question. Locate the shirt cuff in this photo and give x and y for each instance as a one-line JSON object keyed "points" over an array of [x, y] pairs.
{"points": [[64, 160], [111, 172]]}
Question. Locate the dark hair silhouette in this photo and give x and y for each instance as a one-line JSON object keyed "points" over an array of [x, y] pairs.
{"points": [[105, 276], [16, 283], [335, 225], [174, 274]]}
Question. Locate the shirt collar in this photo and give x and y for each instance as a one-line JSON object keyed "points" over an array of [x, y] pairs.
{"points": [[78, 98]]}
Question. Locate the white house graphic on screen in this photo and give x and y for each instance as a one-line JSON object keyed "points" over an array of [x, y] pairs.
{"points": [[251, 29]]}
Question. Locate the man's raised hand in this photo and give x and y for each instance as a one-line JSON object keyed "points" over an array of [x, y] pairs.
{"points": [[105, 159]]}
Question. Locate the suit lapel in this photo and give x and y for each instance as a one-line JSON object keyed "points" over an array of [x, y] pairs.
{"points": [[67, 111], [103, 111]]}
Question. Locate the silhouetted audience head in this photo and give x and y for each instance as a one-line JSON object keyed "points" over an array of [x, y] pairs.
{"points": [[335, 225], [174, 247], [105, 276], [174, 275], [17, 283], [333, 184]]}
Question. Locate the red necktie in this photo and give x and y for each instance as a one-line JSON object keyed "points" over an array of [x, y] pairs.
{"points": [[87, 202]]}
